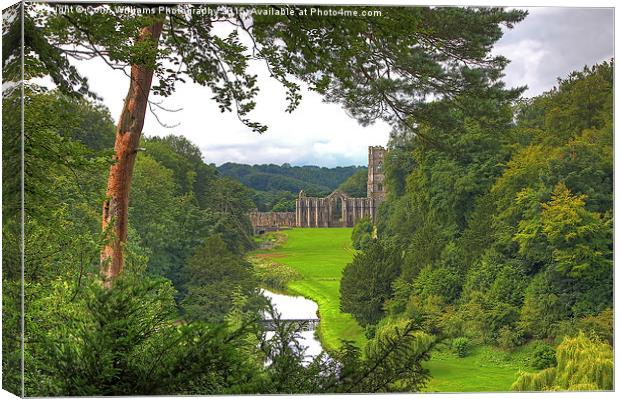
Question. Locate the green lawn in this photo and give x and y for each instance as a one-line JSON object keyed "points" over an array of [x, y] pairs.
{"points": [[486, 369], [319, 255]]}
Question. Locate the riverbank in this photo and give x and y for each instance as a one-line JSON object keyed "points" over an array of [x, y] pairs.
{"points": [[309, 262]]}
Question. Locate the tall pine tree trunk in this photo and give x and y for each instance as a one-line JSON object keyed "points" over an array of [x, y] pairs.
{"points": [[128, 132]]}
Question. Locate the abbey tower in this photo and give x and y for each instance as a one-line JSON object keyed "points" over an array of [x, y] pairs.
{"points": [[376, 177]]}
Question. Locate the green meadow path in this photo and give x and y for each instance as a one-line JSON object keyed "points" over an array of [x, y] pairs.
{"points": [[319, 255]]}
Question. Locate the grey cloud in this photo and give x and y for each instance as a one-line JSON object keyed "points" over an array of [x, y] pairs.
{"points": [[553, 41]]}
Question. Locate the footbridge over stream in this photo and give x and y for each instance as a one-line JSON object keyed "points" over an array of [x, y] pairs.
{"points": [[300, 324]]}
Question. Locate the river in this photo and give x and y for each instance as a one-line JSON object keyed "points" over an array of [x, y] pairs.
{"points": [[297, 308]]}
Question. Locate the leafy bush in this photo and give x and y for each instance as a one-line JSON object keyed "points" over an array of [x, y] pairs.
{"points": [[428, 312], [583, 364], [274, 275], [509, 338], [461, 346], [600, 325], [543, 356], [452, 324]]}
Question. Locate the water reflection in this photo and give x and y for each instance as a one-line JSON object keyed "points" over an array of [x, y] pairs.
{"points": [[296, 308]]}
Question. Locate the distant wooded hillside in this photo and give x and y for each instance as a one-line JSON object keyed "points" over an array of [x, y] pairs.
{"points": [[277, 186]]}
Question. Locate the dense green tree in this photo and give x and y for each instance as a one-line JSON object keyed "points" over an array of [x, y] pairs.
{"points": [[191, 173], [215, 204], [399, 163], [231, 201], [501, 209], [12, 282], [213, 275], [496, 287], [423, 247], [578, 245], [581, 240], [361, 236], [154, 212], [441, 281], [542, 307], [367, 282]]}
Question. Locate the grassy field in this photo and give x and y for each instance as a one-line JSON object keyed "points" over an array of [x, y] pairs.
{"points": [[486, 369], [319, 256]]}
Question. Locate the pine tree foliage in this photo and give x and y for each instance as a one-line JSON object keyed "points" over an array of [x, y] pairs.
{"points": [[367, 282], [392, 360]]}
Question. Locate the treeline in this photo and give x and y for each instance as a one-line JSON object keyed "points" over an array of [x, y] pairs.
{"points": [[498, 228], [277, 186], [185, 315]]}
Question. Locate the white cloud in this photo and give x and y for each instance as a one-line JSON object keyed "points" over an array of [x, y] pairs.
{"points": [[553, 41], [526, 57]]}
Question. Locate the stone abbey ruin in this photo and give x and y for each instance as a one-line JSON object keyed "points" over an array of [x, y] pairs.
{"points": [[335, 210]]}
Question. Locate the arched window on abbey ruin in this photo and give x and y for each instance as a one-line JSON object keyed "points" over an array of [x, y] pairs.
{"points": [[379, 187], [380, 167]]}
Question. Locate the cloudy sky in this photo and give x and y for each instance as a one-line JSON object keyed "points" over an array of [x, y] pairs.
{"points": [[549, 43]]}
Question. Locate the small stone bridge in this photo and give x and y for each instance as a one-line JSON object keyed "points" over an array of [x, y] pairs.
{"points": [[302, 324]]}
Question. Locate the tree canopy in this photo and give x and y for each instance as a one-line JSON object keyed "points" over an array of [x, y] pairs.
{"points": [[502, 211], [377, 67]]}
